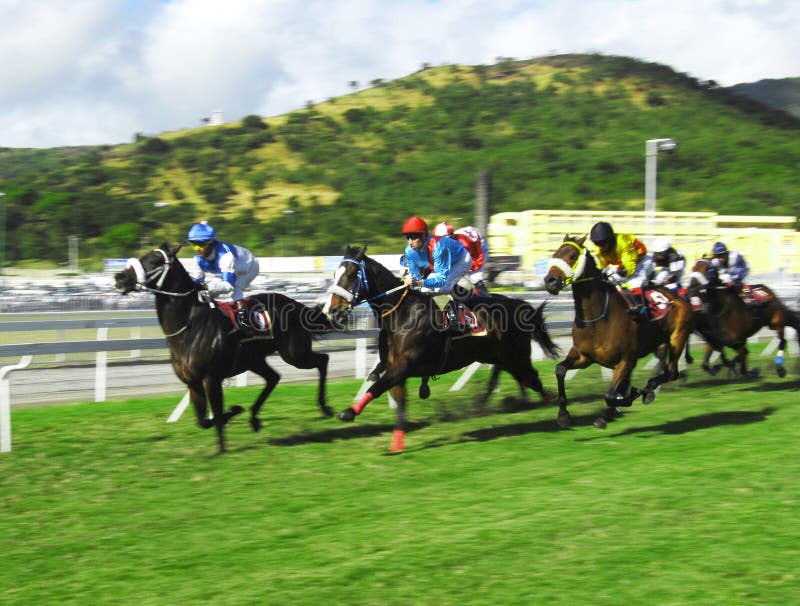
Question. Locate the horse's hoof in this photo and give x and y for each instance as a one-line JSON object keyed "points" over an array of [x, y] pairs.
{"points": [[648, 396], [753, 374], [564, 420], [600, 423], [236, 410], [547, 397], [206, 423], [327, 410], [348, 414], [781, 371], [424, 391], [255, 423]]}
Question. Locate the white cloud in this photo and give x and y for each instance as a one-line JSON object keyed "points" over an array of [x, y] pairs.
{"points": [[98, 71]]}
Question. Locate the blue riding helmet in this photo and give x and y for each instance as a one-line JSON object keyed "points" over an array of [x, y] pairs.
{"points": [[719, 249], [201, 232]]}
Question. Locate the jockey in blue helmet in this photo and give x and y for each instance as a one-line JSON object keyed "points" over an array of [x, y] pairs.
{"points": [[731, 265], [235, 266]]}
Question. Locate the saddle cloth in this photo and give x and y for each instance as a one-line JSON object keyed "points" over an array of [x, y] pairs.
{"points": [[754, 296], [256, 313]]}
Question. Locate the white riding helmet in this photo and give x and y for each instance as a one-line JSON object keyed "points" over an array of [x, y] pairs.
{"points": [[661, 245], [443, 229]]}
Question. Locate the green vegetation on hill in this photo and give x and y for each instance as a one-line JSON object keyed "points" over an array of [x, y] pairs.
{"points": [[564, 131]]}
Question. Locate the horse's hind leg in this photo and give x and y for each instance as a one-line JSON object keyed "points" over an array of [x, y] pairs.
{"points": [[300, 354], [271, 377]]}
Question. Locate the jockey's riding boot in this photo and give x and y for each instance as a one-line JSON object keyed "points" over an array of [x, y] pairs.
{"points": [[635, 307], [480, 288], [454, 325], [241, 319]]}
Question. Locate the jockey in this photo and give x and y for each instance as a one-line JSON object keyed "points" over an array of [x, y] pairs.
{"points": [[235, 265], [622, 258], [731, 265], [451, 262], [667, 264], [476, 243]]}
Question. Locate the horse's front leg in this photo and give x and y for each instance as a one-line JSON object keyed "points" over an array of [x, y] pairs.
{"points": [[575, 360], [399, 433], [378, 388], [616, 396], [213, 388]]}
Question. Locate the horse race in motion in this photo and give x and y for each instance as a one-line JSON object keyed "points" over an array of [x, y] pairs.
{"points": [[726, 320], [604, 333], [417, 342], [204, 345]]}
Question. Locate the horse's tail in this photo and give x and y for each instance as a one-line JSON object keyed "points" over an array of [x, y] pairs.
{"points": [[538, 330], [314, 320]]}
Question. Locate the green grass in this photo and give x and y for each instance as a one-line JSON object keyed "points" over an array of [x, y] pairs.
{"points": [[692, 500]]}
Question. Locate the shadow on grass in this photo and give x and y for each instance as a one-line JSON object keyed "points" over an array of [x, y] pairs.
{"points": [[787, 386], [348, 432], [707, 421]]}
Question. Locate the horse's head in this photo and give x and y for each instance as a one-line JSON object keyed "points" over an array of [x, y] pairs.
{"points": [[350, 286], [147, 271], [566, 265], [703, 275]]}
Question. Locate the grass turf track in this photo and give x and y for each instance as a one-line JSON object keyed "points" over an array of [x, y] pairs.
{"points": [[692, 500]]}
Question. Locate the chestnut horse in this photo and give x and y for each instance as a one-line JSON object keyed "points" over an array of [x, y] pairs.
{"points": [[417, 343], [726, 320], [206, 349], [604, 333]]}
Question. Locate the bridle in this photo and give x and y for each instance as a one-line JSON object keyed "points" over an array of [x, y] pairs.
{"points": [[359, 293], [573, 272], [159, 274], [353, 296]]}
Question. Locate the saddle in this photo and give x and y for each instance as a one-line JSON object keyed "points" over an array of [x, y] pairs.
{"points": [[458, 319], [755, 296], [656, 303], [252, 319]]}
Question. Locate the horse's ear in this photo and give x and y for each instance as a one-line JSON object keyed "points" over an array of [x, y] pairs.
{"points": [[363, 251], [580, 241], [566, 237]]}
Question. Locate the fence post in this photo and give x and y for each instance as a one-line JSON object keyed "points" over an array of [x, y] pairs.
{"points": [[100, 368], [5, 403]]}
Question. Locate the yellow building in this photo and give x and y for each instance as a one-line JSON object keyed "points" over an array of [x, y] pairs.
{"points": [[770, 244]]}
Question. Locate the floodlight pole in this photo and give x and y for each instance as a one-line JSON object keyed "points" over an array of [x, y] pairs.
{"points": [[651, 149]]}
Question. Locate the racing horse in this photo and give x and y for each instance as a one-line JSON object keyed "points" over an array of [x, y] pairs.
{"points": [[604, 333], [418, 344], [726, 320], [205, 347]]}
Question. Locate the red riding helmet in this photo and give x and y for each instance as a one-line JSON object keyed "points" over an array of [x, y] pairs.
{"points": [[415, 225]]}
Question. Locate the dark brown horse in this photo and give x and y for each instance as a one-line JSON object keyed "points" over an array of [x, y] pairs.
{"points": [[726, 320], [418, 345], [604, 333], [204, 346]]}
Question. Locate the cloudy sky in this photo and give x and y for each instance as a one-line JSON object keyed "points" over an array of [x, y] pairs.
{"points": [[75, 72]]}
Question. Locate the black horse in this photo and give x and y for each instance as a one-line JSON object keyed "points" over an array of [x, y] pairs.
{"points": [[418, 345], [727, 321], [205, 346]]}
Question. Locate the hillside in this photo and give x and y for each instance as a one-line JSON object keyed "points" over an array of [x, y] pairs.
{"points": [[782, 94], [564, 131]]}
